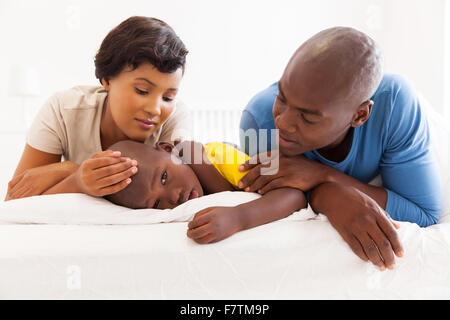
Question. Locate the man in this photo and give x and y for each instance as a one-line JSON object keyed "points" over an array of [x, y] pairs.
{"points": [[341, 122]]}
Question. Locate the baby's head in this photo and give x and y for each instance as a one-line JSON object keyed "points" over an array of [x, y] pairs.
{"points": [[160, 181]]}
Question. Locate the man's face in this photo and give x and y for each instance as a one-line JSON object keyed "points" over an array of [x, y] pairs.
{"points": [[310, 111]]}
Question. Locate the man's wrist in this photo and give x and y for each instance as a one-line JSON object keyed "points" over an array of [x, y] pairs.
{"points": [[325, 174], [320, 196]]}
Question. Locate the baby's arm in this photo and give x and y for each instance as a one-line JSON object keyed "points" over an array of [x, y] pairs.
{"points": [[217, 223], [274, 205], [210, 179]]}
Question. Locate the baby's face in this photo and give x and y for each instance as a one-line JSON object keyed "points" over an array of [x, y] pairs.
{"points": [[162, 183]]}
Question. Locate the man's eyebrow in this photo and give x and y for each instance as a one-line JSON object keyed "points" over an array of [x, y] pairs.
{"points": [[314, 112], [151, 83], [281, 91]]}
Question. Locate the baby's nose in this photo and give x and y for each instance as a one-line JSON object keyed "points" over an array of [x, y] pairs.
{"points": [[175, 196]]}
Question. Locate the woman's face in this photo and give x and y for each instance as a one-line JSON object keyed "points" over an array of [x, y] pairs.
{"points": [[141, 100]]}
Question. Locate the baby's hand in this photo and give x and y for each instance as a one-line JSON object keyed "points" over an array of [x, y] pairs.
{"points": [[214, 224]]}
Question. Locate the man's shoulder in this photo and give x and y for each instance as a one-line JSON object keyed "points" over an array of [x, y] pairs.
{"points": [[397, 110], [264, 98], [260, 106], [395, 95], [391, 85]]}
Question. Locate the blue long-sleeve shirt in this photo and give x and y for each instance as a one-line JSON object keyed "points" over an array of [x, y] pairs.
{"points": [[393, 142]]}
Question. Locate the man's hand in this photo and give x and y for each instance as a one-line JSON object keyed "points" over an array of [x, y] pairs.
{"points": [[104, 173], [363, 224], [214, 224], [37, 180], [296, 172]]}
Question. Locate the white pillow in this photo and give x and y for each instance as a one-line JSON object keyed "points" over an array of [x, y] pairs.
{"points": [[76, 208]]}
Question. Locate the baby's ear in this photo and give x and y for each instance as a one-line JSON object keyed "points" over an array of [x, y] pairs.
{"points": [[165, 146]]}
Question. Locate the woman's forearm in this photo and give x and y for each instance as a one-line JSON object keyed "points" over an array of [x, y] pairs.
{"points": [[274, 205], [37, 180], [62, 170], [67, 185]]}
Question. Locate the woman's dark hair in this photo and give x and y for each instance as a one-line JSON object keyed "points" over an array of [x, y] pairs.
{"points": [[137, 40]]}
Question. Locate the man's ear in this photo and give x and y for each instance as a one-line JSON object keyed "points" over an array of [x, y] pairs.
{"points": [[362, 113], [165, 146]]}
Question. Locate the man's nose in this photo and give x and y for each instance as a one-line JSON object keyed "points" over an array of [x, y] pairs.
{"points": [[285, 121]]}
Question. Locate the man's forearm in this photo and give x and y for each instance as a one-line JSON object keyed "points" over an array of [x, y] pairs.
{"points": [[379, 194], [272, 206]]}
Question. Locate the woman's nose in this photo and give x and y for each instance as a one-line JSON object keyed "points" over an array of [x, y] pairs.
{"points": [[153, 107]]}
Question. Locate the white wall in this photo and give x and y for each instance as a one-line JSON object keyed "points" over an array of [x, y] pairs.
{"points": [[447, 60], [237, 48]]}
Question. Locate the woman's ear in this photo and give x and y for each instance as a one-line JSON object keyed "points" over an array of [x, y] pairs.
{"points": [[105, 83], [362, 114], [165, 146]]}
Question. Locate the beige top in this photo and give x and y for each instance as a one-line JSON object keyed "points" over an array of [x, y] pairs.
{"points": [[69, 124]]}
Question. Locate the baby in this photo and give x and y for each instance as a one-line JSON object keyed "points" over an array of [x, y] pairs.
{"points": [[169, 176]]}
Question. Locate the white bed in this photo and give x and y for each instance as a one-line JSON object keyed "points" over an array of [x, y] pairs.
{"points": [[75, 250], [76, 247]]}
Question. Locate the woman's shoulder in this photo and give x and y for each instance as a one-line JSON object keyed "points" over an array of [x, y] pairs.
{"points": [[181, 112], [181, 107], [79, 97]]}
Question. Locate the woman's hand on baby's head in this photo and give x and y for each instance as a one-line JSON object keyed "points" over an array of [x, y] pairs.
{"points": [[105, 173]]}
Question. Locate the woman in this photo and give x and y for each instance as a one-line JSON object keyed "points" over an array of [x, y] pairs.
{"points": [[140, 65]]}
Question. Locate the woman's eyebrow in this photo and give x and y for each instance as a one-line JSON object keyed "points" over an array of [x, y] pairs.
{"points": [[151, 83]]}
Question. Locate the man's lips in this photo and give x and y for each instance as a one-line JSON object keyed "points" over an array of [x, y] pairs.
{"points": [[286, 141], [145, 124]]}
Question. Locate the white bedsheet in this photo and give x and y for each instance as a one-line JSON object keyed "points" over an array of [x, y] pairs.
{"points": [[300, 257], [74, 246], [79, 209]]}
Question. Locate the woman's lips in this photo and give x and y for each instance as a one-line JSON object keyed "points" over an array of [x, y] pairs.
{"points": [[145, 124]]}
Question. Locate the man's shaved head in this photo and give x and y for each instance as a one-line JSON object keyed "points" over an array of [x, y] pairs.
{"points": [[346, 61], [325, 90]]}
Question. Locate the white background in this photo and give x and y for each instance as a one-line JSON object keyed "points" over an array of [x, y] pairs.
{"points": [[237, 47]]}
